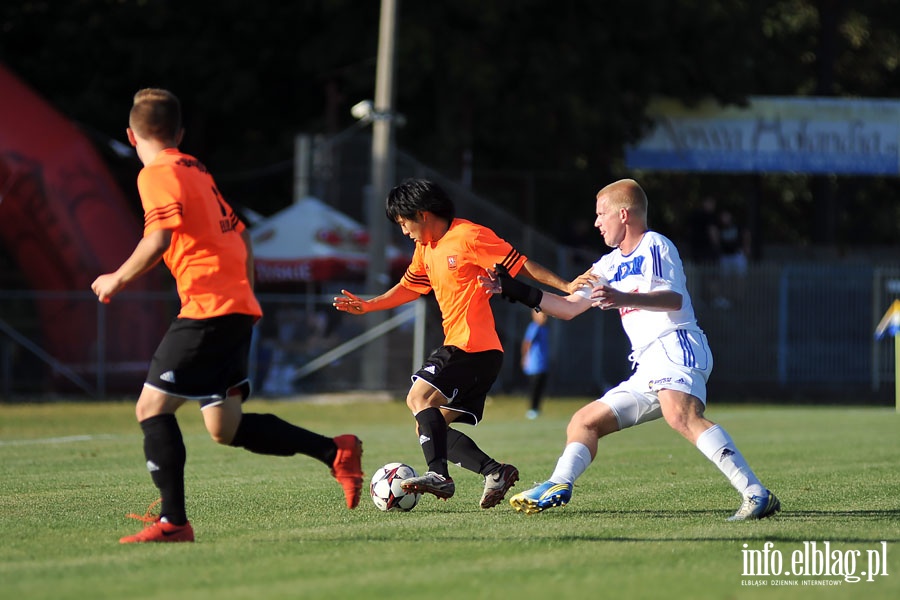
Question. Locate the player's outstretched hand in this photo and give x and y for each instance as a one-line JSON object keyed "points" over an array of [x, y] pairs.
{"points": [[514, 290], [585, 280], [350, 303], [106, 286], [606, 297], [490, 282]]}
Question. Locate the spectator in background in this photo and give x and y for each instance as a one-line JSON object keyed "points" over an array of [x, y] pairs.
{"points": [[734, 242], [536, 360], [705, 239], [706, 248]]}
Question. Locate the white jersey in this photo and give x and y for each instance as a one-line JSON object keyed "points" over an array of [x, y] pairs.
{"points": [[653, 265]]}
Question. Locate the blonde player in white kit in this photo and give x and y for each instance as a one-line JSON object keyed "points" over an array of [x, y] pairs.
{"points": [[643, 278]]}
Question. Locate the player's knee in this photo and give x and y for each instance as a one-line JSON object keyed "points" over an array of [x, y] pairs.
{"points": [[416, 403], [220, 439], [221, 435], [222, 421], [595, 417], [676, 422], [682, 413], [152, 403], [683, 423]]}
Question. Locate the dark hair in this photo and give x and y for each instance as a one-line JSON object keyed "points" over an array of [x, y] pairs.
{"points": [[418, 195]]}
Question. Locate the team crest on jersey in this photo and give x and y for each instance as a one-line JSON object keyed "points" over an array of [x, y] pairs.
{"points": [[632, 267], [451, 262]]}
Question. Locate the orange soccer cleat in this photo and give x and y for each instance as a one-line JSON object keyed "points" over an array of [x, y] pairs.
{"points": [[161, 531], [347, 468], [158, 530]]}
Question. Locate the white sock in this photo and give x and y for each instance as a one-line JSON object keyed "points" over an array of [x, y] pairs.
{"points": [[575, 460], [717, 446]]}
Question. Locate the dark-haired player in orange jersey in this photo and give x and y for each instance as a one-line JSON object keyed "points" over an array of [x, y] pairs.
{"points": [[204, 354], [453, 382]]}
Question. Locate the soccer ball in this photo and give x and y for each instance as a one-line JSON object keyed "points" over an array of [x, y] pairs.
{"points": [[385, 488]]}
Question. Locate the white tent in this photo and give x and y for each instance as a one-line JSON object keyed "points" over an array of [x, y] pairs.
{"points": [[311, 241]]}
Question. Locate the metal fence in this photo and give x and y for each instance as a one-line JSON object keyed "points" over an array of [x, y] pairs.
{"points": [[793, 332], [784, 331]]}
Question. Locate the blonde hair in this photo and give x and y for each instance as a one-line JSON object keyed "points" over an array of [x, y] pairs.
{"points": [[156, 114], [625, 193]]}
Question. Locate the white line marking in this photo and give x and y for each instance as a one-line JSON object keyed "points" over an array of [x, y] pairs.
{"points": [[59, 440]]}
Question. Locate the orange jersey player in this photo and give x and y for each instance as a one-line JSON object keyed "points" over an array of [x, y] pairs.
{"points": [[204, 355], [212, 269], [453, 382], [450, 268]]}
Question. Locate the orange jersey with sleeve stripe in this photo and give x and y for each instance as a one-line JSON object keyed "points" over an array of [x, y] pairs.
{"points": [[451, 267], [207, 256]]}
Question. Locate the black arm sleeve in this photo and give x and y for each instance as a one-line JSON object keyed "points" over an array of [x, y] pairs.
{"points": [[516, 291]]}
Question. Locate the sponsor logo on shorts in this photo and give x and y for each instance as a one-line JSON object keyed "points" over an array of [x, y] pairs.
{"points": [[423, 439], [168, 376], [430, 369], [665, 382]]}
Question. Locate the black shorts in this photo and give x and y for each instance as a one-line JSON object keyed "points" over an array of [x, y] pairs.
{"points": [[202, 359], [464, 378]]}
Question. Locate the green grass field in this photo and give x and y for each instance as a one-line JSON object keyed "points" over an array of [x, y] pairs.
{"points": [[647, 520]]}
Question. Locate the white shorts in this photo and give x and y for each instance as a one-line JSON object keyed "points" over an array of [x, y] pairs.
{"points": [[680, 360]]}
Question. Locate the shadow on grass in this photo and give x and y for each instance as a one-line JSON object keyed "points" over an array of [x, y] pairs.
{"points": [[538, 538], [789, 514], [766, 529]]}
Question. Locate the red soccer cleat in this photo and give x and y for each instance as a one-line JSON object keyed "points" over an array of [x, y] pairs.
{"points": [[161, 531], [158, 530], [347, 468]]}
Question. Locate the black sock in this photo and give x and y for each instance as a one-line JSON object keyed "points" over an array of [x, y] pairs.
{"points": [[433, 439], [165, 453], [537, 390], [463, 451], [268, 434]]}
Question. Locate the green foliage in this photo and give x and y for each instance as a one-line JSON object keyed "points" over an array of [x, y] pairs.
{"points": [[549, 91], [647, 520]]}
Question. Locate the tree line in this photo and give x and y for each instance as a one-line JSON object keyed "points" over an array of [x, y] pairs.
{"points": [[551, 91]]}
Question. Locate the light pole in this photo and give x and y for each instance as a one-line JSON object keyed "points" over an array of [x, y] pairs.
{"points": [[374, 362]]}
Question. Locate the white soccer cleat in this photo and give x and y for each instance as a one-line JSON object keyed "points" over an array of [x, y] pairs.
{"points": [[757, 507]]}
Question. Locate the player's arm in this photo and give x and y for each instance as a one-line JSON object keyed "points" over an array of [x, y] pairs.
{"points": [[394, 297], [542, 274], [564, 307], [499, 281], [146, 254], [607, 298]]}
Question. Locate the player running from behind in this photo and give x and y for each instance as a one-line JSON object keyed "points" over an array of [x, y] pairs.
{"points": [[453, 382], [204, 355], [644, 280]]}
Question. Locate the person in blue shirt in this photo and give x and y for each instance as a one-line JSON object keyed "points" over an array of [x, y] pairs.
{"points": [[536, 360]]}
